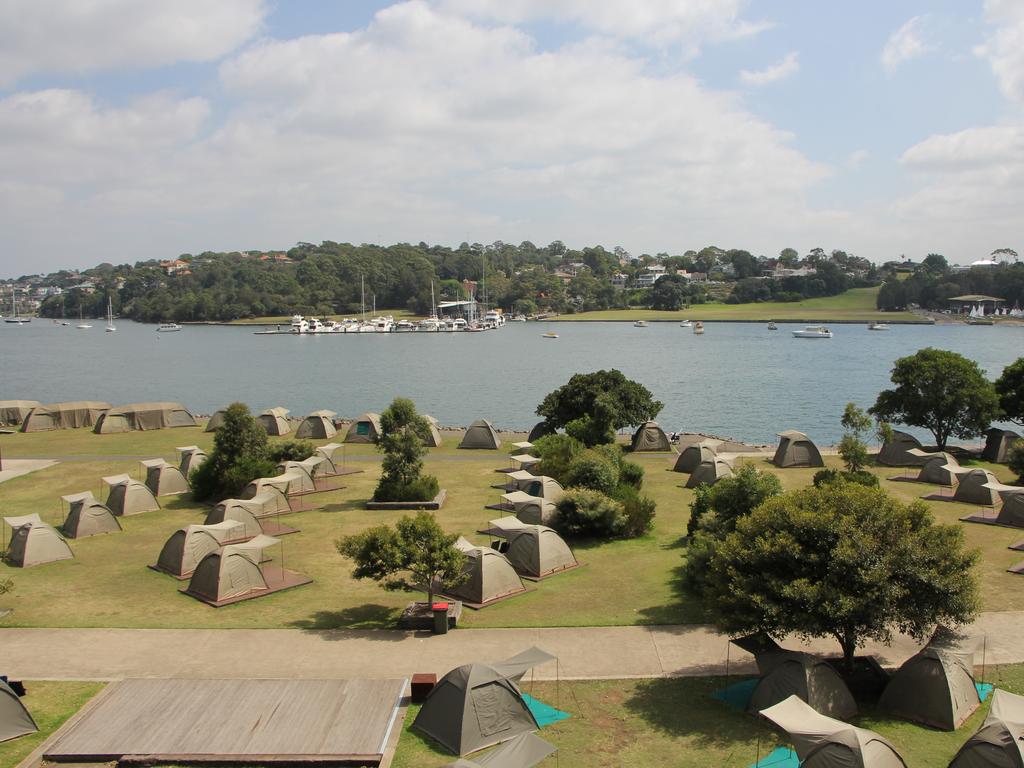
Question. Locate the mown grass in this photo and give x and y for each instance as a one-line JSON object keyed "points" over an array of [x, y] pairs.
{"points": [[50, 703]]}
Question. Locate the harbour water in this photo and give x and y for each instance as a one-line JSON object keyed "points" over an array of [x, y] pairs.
{"points": [[738, 379]]}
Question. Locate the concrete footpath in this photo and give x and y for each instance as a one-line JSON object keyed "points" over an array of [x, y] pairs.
{"points": [[17, 467], [583, 652]]}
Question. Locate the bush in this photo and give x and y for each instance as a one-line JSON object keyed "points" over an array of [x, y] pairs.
{"points": [[423, 489], [631, 473], [239, 456], [291, 450], [555, 453], [1015, 459], [581, 513], [594, 471], [832, 476], [640, 512], [403, 431]]}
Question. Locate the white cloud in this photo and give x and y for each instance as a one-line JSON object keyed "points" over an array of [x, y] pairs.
{"points": [[789, 65], [857, 158], [1004, 49], [904, 44], [81, 36]]}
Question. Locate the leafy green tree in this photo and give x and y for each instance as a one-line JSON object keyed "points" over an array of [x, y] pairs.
{"points": [[940, 391], [591, 406], [1010, 389], [843, 561], [1015, 459], [416, 553], [592, 470], [852, 447], [403, 433], [731, 499], [239, 456]]}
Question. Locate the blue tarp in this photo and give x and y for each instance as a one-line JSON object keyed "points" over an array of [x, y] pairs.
{"points": [[984, 690], [738, 694], [780, 757], [543, 713]]}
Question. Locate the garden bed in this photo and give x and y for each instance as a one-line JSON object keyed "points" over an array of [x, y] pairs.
{"points": [[436, 503]]}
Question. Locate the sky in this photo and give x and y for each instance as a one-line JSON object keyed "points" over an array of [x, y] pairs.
{"points": [[132, 131]]}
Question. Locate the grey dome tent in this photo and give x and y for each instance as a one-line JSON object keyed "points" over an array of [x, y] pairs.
{"points": [[897, 451], [245, 512], [524, 751], [272, 492], [231, 572], [164, 479], [998, 443], [275, 421], [535, 551], [35, 543], [128, 496], [709, 472], [935, 686], [796, 450], [365, 429], [971, 488], [540, 429], [143, 416], [527, 508], [216, 419], [474, 707], [301, 475], [999, 743], [936, 470], [1011, 513], [519, 479], [787, 673], [480, 435], [87, 517], [15, 720], [71, 415], [650, 437], [192, 457], [822, 742], [319, 425], [186, 547], [543, 487], [14, 412], [433, 439], [490, 577], [692, 456]]}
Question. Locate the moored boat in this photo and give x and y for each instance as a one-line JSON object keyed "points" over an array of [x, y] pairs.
{"points": [[698, 327], [168, 328], [813, 332]]}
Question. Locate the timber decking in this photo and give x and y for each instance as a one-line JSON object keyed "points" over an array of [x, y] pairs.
{"points": [[242, 721]]}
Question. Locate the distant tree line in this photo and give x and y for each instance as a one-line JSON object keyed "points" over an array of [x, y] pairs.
{"points": [[933, 283]]}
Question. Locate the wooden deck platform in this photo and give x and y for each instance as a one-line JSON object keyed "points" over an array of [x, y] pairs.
{"points": [[340, 722], [277, 579]]}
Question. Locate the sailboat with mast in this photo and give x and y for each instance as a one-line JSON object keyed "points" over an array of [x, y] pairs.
{"points": [[15, 318], [110, 317], [432, 323], [82, 325]]}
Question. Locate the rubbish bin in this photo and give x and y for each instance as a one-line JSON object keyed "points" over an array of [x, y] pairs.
{"points": [[440, 618]]}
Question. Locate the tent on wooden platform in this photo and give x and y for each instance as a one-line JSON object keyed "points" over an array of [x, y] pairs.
{"points": [[365, 429], [87, 517], [128, 496], [999, 743], [971, 488], [190, 457], [164, 479], [330, 465], [535, 551], [216, 419], [319, 425], [35, 543], [14, 412], [187, 546], [15, 720], [998, 443], [251, 515], [474, 707], [524, 751], [796, 450], [271, 492], [480, 435], [897, 451], [650, 437], [1011, 513], [518, 479], [142, 417], [543, 487], [233, 574], [709, 472], [70, 415], [275, 421], [490, 577], [527, 508], [525, 461], [301, 474], [433, 439], [936, 469], [695, 453]]}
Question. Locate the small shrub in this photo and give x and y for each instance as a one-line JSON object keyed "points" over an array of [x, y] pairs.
{"points": [[555, 453], [594, 471], [632, 474], [832, 476], [423, 489], [1015, 459], [640, 512], [6, 585], [291, 450], [701, 505], [581, 513]]}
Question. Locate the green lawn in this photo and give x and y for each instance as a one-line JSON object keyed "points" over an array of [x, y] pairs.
{"points": [[50, 703], [856, 305]]}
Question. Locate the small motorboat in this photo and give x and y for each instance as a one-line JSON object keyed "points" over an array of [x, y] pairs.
{"points": [[873, 326], [686, 324], [640, 324], [813, 332], [698, 327], [772, 326], [549, 335]]}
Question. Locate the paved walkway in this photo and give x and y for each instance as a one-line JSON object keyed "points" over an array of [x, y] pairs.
{"points": [[18, 467], [583, 652]]}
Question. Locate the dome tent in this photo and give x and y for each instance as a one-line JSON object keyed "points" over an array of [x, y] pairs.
{"points": [[709, 472], [939, 469], [433, 439], [187, 546], [650, 437], [695, 453], [490, 577], [897, 451], [535, 551], [15, 720], [128, 496], [1011, 513], [231, 573], [786, 673], [523, 751], [87, 517], [527, 508], [35, 543], [272, 493], [275, 421], [999, 743], [540, 429], [192, 457], [365, 429], [480, 435], [796, 450], [216, 419], [164, 479], [971, 488], [998, 443], [319, 425]]}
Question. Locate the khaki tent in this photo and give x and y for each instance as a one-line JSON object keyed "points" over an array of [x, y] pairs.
{"points": [[544, 487], [999, 743], [897, 452], [519, 479], [822, 742], [275, 421], [970, 488], [319, 425], [1012, 511], [83, 413], [144, 416], [231, 572], [793, 673], [998, 443], [520, 449], [216, 419], [35, 543], [936, 470], [15, 720], [650, 437], [935, 686], [365, 429], [529, 509], [796, 450], [692, 455], [474, 707], [525, 461], [540, 429], [128, 496], [434, 439], [192, 457], [164, 479], [187, 546], [491, 577], [271, 491], [480, 435], [326, 452], [87, 517], [709, 472], [535, 551], [524, 751], [245, 512], [301, 475], [13, 412]]}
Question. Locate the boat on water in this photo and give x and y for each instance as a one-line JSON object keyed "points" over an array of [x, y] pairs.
{"points": [[873, 326], [813, 332], [772, 326], [110, 317], [494, 318], [168, 328], [82, 325], [404, 326], [640, 324], [698, 327], [686, 324], [549, 335], [15, 318]]}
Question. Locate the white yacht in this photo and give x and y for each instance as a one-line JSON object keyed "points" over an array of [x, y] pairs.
{"points": [[686, 324], [458, 324], [110, 317], [168, 328], [383, 324], [315, 326], [873, 326], [15, 317], [404, 326], [299, 324], [772, 326], [429, 324], [813, 332], [495, 318], [82, 325], [640, 324]]}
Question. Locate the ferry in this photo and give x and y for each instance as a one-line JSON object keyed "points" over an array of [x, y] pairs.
{"points": [[168, 327], [813, 332]]}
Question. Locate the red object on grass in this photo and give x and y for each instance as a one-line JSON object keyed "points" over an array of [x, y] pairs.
{"points": [[439, 607]]}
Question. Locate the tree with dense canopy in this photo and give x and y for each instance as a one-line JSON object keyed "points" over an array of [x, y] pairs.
{"points": [[940, 391], [240, 455], [1010, 389], [403, 433], [844, 561]]}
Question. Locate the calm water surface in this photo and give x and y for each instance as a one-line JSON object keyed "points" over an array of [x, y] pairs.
{"points": [[738, 379]]}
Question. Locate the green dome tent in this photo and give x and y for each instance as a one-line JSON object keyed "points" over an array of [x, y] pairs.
{"points": [[999, 743], [15, 720], [87, 517], [796, 450]]}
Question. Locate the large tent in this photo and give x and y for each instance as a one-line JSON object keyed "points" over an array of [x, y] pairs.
{"points": [[72, 415], [15, 720], [936, 469], [490, 577], [692, 455], [1011, 513], [144, 416], [35, 543], [301, 475], [480, 435], [540, 429], [971, 488], [527, 508], [275, 421], [796, 450], [216, 419], [822, 742], [365, 429], [187, 546], [543, 487], [650, 437], [128, 496], [87, 517], [999, 743], [896, 452], [474, 707], [935, 686], [192, 457], [709, 472], [433, 439], [271, 492], [245, 512], [231, 572], [164, 479], [535, 551], [524, 751], [13, 412], [998, 443], [319, 425]]}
